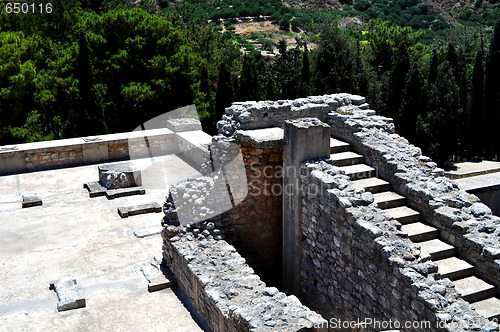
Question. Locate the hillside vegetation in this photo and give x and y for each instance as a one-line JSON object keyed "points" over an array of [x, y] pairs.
{"points": [[101, 67]]}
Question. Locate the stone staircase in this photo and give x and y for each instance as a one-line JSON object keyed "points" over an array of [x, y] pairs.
{"points": [[480, 293]]}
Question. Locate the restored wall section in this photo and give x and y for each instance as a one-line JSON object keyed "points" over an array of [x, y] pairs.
{"points": [[191, 146]]}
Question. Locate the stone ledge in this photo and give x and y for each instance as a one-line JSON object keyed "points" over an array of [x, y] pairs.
{"points": [[262, 138], [126, 211], [122, 192], [183, 124], [96, 189], [31, 200], [83, 142], [68, 295]]}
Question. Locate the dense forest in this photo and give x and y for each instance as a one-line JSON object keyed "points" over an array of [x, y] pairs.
{"points": [[94, 67]]}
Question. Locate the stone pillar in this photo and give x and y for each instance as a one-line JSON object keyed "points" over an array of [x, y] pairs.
{"points": [[305, 139]]}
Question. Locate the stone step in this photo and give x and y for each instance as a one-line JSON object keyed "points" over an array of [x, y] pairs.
{"points": [[489, 308], [454, 268], [346, 158], [404, 214], [359, 171], [373, 185], [338, 146], [474, 289], [388, 199], [418, 232], [437, 249]]}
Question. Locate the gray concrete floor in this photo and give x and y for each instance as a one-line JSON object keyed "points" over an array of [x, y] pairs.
{"points": [[74, 236]]}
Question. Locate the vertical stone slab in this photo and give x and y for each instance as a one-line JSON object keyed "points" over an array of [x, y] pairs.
{"points": [[305, 139]]}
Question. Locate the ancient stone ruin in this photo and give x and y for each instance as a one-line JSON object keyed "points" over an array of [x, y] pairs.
{"points": [[343, 224], [307, 215]]}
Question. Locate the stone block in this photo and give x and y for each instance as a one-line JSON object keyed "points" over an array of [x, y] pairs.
{"points": [[132, 210], [158, 276], [31, 200], [142, 233], [122, 192], [117, 176], [95, 189], [69, 297], [184, 124]]}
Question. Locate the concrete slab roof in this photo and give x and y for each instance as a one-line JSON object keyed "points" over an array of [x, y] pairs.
{"points": [[74, 236]]}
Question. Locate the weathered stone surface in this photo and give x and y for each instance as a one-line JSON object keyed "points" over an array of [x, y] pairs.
{"points": [[132, 210], [183, 124], [355, 261], [158, 276], [69, 297], [142, 233], [220, 284], [262, 138], [30, 200], [116, 176], [122, 192], [95, 189]]}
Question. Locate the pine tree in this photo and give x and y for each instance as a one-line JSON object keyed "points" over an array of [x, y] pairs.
{"points": [[249, 83], [444, 101], [400, 68], [89, 118], [433, 69]]}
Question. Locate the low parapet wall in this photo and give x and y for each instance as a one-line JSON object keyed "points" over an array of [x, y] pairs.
{"points": [[192, 146]]}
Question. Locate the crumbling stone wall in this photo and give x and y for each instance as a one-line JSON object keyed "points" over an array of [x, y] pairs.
{"points": [[225, 290], [357, 266]]}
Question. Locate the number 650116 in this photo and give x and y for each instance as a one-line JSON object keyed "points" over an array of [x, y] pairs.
{"points": [[26, 8]]}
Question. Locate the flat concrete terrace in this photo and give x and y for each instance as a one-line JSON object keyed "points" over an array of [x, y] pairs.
{"points": [[479, 182], [468, 169], [72, 236]]}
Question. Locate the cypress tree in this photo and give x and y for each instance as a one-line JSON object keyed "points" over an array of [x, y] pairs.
{"points": [[475, 114], [492, 96], [305, 77], [413, 106], [224, 94]]}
